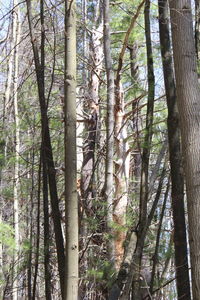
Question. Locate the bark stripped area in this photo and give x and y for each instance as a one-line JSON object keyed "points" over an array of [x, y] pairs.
{"points": [[91, 107], [129, 273], [122, 152]]}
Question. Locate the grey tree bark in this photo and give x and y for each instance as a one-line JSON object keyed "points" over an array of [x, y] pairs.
{"points": [[175, 154], [109, 127], [188, 100]]}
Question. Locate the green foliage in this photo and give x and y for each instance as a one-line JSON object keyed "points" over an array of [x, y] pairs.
{"points": [[7, 237], [7, 192]]}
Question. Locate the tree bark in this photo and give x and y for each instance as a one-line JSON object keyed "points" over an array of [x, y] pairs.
{"points": [[177, 179], [45, 177], [144, 187], [197, 29], [188, 100], [71, 197], [109, 128], [16, 38], [46, 140], [122, 151]]}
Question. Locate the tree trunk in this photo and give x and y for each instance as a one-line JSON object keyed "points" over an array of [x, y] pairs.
{"points": [[91, 125], [109, 129], [144, 187], [46, 140], [46, 230], [16, 38], [71, 197], [197, 29], [45, 176], [122, 164], [188, 100], [177, 179]]}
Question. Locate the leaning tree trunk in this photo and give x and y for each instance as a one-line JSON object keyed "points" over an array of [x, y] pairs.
{"points": [[188, 99], [46, 140], [177, 179], [71, 197]]}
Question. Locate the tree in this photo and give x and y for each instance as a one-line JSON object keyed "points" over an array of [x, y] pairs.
{"points": [[180, 240], [16, 39], [46, 141], [188, 101], [71, 198], [110, 127]]}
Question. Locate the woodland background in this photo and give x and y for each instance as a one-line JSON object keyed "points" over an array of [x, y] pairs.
{"points": [[93, 147]]}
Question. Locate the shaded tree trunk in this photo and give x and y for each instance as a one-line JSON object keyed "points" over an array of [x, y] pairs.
{"points": [[45, 176], [188, 101], [177, 179]]}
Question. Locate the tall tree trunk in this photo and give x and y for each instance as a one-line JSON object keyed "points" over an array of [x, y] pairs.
{"points": [[46, 230], [46, 140], [16, 38], [188, 100], [177, 179], [71, 197], [45, 175], [197, 29], [144, 187], [109, 128], [37, 238]]}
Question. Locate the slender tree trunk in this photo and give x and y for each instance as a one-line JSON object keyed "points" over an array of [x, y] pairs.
{"points": [[16, 38], [45, 175], [197, 29], [110, 127], [46, 230], [156, 252], [188, 100], [37, 239], [30, 217], [46, 140], [177, 179], [144, 187], [71, 197], [136, 125]]}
